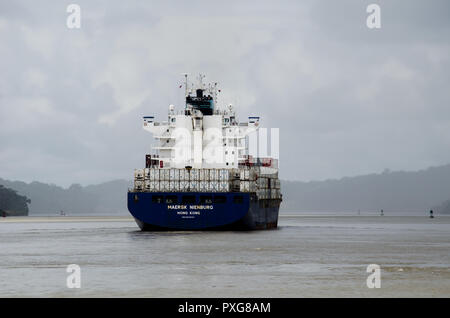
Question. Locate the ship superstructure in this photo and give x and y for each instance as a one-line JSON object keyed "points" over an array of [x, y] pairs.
{"points": [[201, 175]]}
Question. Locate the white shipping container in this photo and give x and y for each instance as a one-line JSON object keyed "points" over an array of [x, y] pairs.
{"points": [[174, 174], [275, 183], [138, 174], [184, 185], [194, 185], [204, 174], [147, 185], [174, 185], [203, 186], [164, 174], [147, 173], [259, 194], [273, 193], [245, 174], [138, 185], [252, 174], [155, 186], [267, 171], [164, 185], [224, 174], [245, 185], [224, 186], [260, 183], [236, 185], [182, 173], [213, 186], [194, 175], [234, 173], [214, 174], [154, 174]]}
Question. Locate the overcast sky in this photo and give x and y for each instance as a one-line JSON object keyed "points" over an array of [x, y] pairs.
{"points": [[348, 100]]}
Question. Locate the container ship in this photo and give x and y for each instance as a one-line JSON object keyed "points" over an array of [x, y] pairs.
{"points": [[201, 176]]}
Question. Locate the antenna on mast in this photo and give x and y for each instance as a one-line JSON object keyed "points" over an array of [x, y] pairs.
{"points": [[185, 88], [200, 78], [215, 93], [185, 83]]}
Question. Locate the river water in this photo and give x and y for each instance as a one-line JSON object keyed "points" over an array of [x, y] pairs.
{"points": [[307, 256]]}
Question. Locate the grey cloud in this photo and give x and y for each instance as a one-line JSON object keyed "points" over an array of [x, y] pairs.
{"points": [[348, 100]]}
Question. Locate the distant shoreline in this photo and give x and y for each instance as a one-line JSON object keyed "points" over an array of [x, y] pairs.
{"points": [[57, 219], [106, 218]]}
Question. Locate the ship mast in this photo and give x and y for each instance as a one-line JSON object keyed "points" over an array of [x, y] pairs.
{"points": [[185, 89]]}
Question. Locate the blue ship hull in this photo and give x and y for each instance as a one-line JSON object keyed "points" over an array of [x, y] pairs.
{"points": [[155, 211]]}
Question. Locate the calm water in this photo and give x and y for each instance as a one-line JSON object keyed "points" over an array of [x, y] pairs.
{"points": [[307, 256]]}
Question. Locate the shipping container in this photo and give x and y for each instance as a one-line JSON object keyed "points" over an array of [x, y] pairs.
{"points": [[214, 186], [194, 175], [184, 185], [214, 174], [245, 185], [259, 193], [164, 174], [138, 185], [224, 174], [224, 186], [182, 174], [155, 186], [154, 174], [266, 171], [235, 185], [252, 175], [146, 174], [245, 174], [274, 183], [203, 186], [194, 185], [147, 185], [264, 194], [164, 185], [174, 185], [204, 174], [174, 174], [262, 183], [138, 174], [234, 173]]}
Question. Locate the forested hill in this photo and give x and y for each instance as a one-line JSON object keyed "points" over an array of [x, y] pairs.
{"points": [[11, 203], [394, 192], [105, 198]]}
